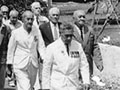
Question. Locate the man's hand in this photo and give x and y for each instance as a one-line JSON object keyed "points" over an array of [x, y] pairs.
{"points": [[100, 67], [9, 69]]}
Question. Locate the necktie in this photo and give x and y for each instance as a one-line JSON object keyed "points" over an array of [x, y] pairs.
{"points": [[81, 30], [67, 48], [37, 20], [55, 33]]}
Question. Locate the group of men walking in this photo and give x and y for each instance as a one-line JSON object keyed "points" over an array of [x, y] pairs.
{"points": [[45, 52]]}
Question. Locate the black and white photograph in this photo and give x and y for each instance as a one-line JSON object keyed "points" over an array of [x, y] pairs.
{"points": [[59, 44]]}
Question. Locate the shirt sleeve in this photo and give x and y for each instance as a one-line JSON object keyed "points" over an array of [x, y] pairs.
{"points": [[11, 49], [47, 65], [84, 67]]}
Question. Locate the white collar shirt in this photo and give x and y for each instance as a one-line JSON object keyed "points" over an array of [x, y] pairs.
{"points": [[22, 47], [60, 70]]}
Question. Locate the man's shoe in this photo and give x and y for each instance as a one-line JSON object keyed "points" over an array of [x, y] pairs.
{"points": [[98, 81], [11, 83]]}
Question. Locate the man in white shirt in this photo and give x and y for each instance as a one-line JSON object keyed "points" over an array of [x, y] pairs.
{"points": [[22, 52], [13, 21], [38, 18], [64, 58], [13, 24]]}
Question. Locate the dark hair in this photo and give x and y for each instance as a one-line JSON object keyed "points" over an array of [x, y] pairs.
{"points": [[66, 26]]}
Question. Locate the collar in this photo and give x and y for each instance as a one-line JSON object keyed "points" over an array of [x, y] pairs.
{"points": [[61, 43], [13, 24], [26, 30]]}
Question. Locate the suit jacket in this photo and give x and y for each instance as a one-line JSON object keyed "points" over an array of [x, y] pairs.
{"points": [[47, 33], [89, 44], [23, 47], [60, 70], [4, 39]]}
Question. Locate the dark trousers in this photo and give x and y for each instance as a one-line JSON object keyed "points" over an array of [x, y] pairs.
{"points": [[2, 75], [90, 62]]}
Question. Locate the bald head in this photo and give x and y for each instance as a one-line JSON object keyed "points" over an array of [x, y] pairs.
{"points": [[35, 4], [13, 16], [54, 10], [78, 13], [4, 8], [27, 13], [36, 8], [79, 17], [13, 13]]}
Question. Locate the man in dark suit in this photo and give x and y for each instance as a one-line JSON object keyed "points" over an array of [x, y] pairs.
{"points": [[85, 35], [50, 30], [4, 38]]}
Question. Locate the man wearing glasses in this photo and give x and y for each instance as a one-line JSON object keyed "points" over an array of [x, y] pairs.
{"points": [[85, 35]]}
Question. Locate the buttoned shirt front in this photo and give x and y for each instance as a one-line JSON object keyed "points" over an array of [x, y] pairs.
{"points": [[60, 70], [22, 47]]}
